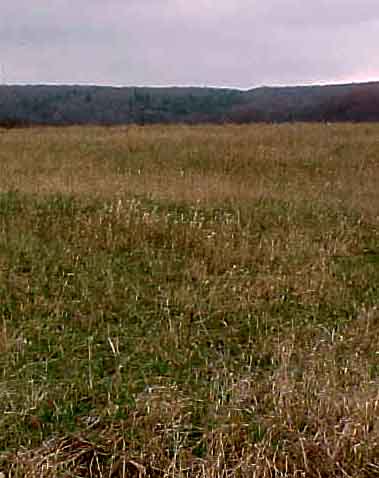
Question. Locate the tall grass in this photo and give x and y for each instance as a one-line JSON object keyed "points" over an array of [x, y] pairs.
{"points": [[189, 301]]}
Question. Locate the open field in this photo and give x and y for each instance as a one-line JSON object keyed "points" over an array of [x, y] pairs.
{"points": [[190, 301]]}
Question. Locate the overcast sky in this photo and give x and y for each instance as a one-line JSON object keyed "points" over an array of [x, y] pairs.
{"points": [[236, 43]]}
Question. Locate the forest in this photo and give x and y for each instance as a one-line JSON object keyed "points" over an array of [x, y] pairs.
{"points": [[68, 105]]}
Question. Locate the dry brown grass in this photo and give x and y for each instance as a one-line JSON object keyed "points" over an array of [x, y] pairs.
{"points": [[302, 162], [190, 301]]}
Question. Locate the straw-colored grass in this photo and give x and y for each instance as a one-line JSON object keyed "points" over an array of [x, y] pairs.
{"points": [[190, 301]]}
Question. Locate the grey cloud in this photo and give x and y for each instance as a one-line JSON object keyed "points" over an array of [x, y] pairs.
{"points": [[323, 13], [237, 43]]}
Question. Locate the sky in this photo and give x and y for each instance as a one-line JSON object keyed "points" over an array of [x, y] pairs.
{"points": [[224, 43]]}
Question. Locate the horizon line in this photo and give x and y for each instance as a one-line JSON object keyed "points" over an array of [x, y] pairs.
{"points": [[195, 86]]}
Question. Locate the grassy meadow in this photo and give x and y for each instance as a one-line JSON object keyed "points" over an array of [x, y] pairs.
{"points": [[196, 302]]}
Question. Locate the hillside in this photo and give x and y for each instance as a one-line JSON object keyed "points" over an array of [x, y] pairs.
{"points": [[63, 105]]}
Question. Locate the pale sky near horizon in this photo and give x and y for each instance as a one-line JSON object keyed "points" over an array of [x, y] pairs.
{"points": [[234, 43]]}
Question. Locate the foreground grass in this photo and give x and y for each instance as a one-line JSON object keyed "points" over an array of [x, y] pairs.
{"points": [[190, 302]]}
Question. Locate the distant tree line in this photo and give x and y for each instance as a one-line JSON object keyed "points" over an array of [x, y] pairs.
{"points": [[66, 105]]}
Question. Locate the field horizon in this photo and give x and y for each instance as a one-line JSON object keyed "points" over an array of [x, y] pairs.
{"points": [[190, 301]]}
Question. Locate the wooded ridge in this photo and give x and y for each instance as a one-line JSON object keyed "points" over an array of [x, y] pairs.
{"points": [[65, 105]]}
